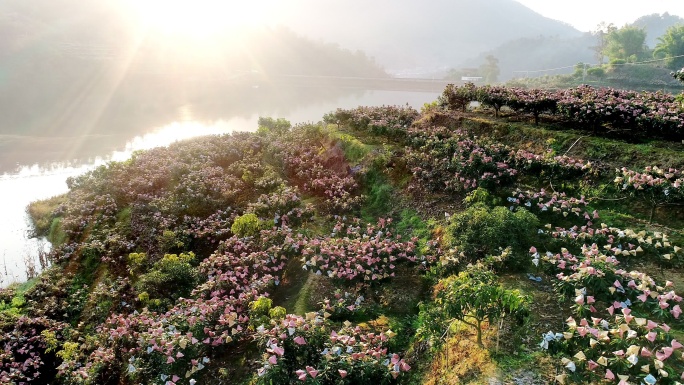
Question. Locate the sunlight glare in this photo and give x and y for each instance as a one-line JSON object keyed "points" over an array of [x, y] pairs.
{"points": [[198, 18]]}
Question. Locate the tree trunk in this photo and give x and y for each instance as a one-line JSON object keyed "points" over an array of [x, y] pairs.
{"points": [[479, 333], [653, 209]]}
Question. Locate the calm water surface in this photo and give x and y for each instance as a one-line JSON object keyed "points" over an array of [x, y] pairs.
{"points": [[34, 167]]}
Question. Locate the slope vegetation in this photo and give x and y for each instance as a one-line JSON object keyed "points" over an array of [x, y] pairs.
{"points": [[380, 246]]}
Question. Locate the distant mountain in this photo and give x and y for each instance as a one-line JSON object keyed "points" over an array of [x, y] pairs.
{"points": [[431, 33], [656, 25], [538, 56], [552, 55]]}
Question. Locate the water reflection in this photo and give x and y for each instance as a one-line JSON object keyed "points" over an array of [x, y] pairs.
{"points": [[37, 168]]}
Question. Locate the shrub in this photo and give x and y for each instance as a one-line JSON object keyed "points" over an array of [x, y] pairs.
{"points": [[599, 72], [481, 231], [458, 98], [245, 225], [472, 297], [171, 277], [261, 306], [275, 126], [277, 313], [42, 213]]}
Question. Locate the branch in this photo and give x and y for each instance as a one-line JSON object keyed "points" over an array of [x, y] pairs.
{"points": [[467, 323], [609, 199], [573, 145]]}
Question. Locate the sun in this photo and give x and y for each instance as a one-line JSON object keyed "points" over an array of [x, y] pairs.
{"points": [[197, 18]]}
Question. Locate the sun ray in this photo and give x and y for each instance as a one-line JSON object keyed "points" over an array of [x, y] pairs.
{"points": [[109, 83], [198, 19]]}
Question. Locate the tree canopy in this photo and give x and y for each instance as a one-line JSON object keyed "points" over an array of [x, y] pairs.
{"points": [[626, 43], [671, 45]]}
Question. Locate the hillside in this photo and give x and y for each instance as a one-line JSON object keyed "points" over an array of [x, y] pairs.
{"points": [[549, 55], [538, 56], [430, 35], [381, 245], [656, 25]]}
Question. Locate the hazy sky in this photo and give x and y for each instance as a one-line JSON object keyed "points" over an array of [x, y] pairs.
{"points": [[586, 14]]}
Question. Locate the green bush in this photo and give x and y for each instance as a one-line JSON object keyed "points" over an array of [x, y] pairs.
{"points": [[482, 196], [56, 234], [614, 63], [354, 149], [245, 225], [259, 311], [480, 231], [137, 262], [277, 313], [170, 278], [473, 297], [275, 126], [260, 307], [598, 72], [42, 213]]}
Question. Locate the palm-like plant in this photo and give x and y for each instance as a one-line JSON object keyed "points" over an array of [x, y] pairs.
{"points": [[670, 46]]}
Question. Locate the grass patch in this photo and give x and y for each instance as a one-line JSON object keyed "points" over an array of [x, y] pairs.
{"points": [[56, 234], [354, 150], [378, 202], [302, 304], [411, 224], [292, 291], [460, 361], [12, 307], [41, 214]]}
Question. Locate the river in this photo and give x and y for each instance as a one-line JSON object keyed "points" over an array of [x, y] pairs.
{"points": [[36, 166]]}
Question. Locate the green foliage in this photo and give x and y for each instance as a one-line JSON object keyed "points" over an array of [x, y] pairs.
{"points": [[275, 126], [170, 240], [429, 107], [259, 311], [69, 351], [378, 202], [613, 63], [598, 72], [480, 231], [414, 226], [473, 297], [137, 262], [378, 190], [261, 306], [42, 214], [670, 45], [245, 225], [170, 278], [626, 43], [50, 339], [354, 149], [12, 301], [56, 234], [277, 313], [482, 196], [490, 69]]}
